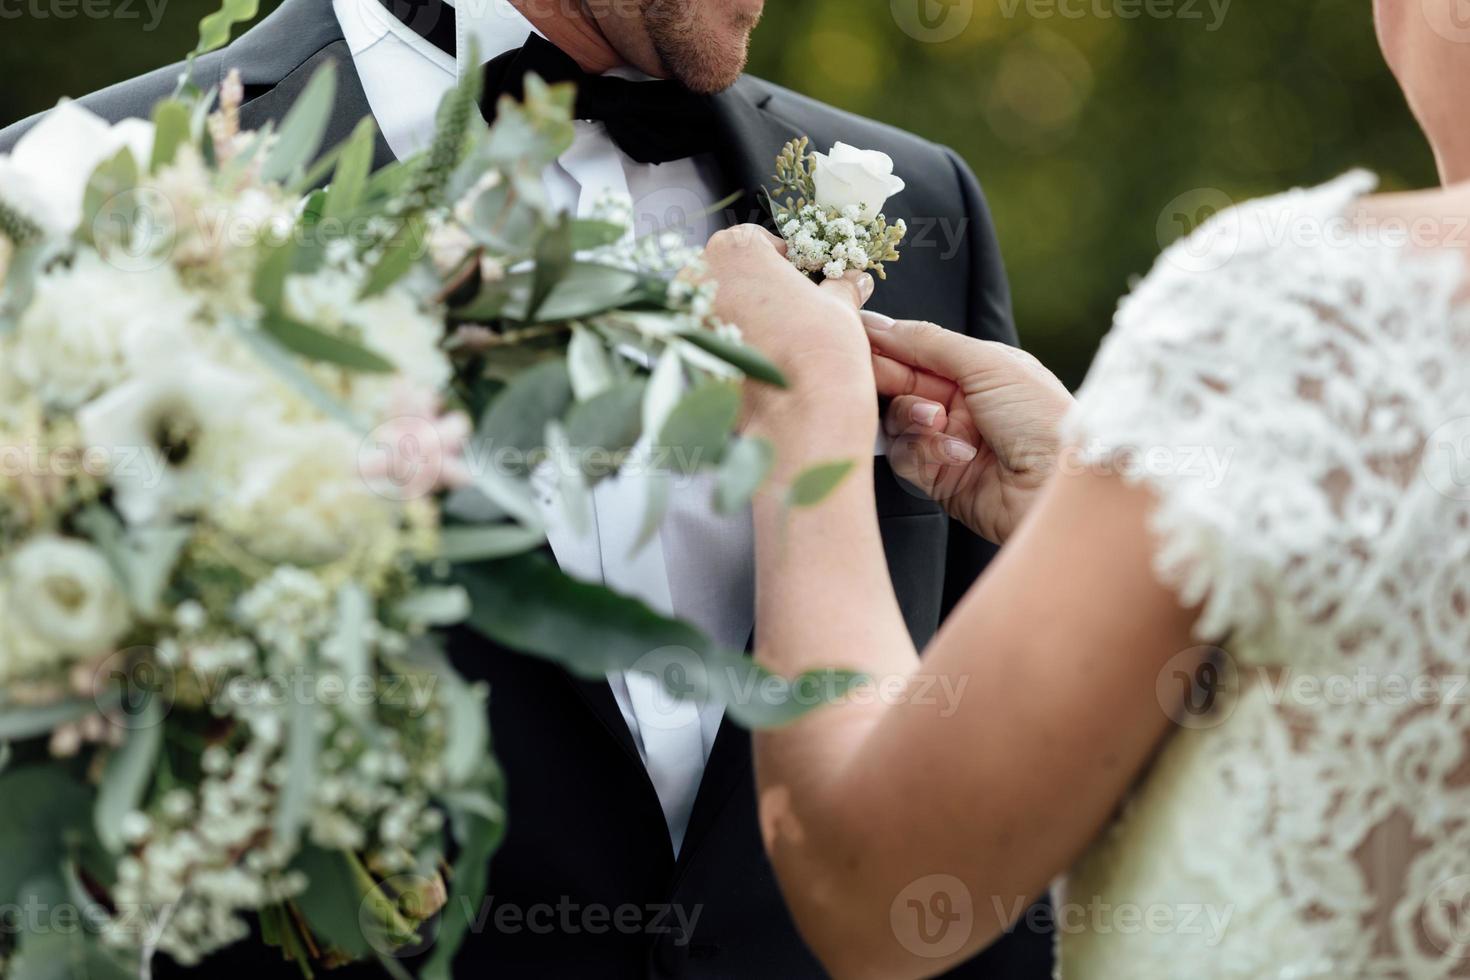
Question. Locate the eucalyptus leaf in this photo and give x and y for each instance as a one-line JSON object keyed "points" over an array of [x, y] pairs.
{"points": [[128, 773], [44, 806], [283, 362], [21, 721], [665, 388], [478, 837], [304, 127], [517, 419], [398, 257], [317, 345], [553, 261], [748, 360], [439, 606], [107, 204], [348, 646], [171, 130], [815, 484], [602, 430], [746, 465], [303, 741], [589, 364], [482, 543], [699, 428], [214, 30], [528, 604], [333, 902], [143, 558], [350, 179], [587, 234]]}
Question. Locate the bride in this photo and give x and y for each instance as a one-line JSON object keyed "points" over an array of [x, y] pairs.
{"points": [[1214, 686]]}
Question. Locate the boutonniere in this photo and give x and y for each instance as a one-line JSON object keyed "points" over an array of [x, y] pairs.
{"points": [[829, 208]]}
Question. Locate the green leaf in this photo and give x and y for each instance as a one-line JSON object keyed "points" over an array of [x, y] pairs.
{"points": [[553, 261], [751, 362], [275, 356], [589, 364], [333, 902], [127, 775], [214, 30], [303, 740], [399, 254], [528, 604], [596, 234], [477, 836], [106, 203], [699, 428], [815, 484], [271, 272], [20, 721], [317, 345], [746, 465], [517, 419], [350, 180], [171, 121], [608, 426], [44, 806], [303, 128], [585, 289], [142, 558], [470, 544]]}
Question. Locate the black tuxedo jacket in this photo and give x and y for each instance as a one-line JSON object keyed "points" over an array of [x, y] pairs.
{"points": [[586, 885]]}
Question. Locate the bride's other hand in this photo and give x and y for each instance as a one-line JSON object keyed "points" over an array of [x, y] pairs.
{"points": [[812, 333], [975, 423]]}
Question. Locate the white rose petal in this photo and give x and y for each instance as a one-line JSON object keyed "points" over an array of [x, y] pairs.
{"points": [[46, 174], [853, 178]]}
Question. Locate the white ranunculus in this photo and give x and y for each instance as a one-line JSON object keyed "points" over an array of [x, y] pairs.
{"points": [[90, 323], [46, 174], [64, 594], [850, 177], [304, 502], [177, 437]]}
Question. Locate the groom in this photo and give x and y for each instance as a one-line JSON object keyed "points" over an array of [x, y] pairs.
{"points": [[633, 848]]}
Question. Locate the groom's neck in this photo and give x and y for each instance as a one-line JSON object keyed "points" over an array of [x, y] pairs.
{"points": [[574, 31]]}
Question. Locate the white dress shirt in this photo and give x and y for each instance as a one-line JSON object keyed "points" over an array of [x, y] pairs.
{"points": [[700, 565]]}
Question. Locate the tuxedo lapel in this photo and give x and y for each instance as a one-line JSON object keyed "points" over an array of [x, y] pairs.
{"points": [[751, 138], [278, 58]]}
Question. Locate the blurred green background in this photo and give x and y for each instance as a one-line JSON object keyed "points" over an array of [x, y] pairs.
{"points": [[1082, 124]]}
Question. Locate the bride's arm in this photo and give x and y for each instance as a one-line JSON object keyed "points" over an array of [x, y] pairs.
{"points": [[1055, 657]]}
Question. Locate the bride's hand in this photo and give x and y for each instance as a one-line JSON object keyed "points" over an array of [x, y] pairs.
{"points": [[812, 333], [974, 422]]}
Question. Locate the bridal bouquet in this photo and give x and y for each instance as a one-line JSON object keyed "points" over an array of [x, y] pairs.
{"points": [[258, 442]]}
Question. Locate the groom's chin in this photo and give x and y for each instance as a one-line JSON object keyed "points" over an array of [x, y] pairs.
{"points": [[706, 48]]}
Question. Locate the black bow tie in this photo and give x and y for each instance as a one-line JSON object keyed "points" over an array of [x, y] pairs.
{"points": [[652, 122]]}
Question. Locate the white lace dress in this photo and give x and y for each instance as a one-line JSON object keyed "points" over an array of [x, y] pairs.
{"points": [[1296, 390]]}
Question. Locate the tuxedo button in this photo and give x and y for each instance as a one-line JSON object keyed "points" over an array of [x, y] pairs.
{"points": [[670, 959]]}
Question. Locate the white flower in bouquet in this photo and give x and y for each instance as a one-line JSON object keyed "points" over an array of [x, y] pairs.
{"points": [[45, 176], [852, 178], [63, 593], [90, 323], [177, 436], [301, 500]]}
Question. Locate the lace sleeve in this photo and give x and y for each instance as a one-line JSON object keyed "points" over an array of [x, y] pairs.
{"points": [[1250, 382]]}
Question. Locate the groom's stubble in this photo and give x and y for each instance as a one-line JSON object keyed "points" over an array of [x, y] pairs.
{"points": [[703, 44]]}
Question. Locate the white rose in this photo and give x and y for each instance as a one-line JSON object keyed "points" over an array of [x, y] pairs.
{"points": [[46, 174], [850, 177], [63, 593]]}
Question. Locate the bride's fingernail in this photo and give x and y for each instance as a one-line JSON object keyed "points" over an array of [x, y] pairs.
{"points": [[866, 285], [925, 414], [958, 450], [876, 321]]}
